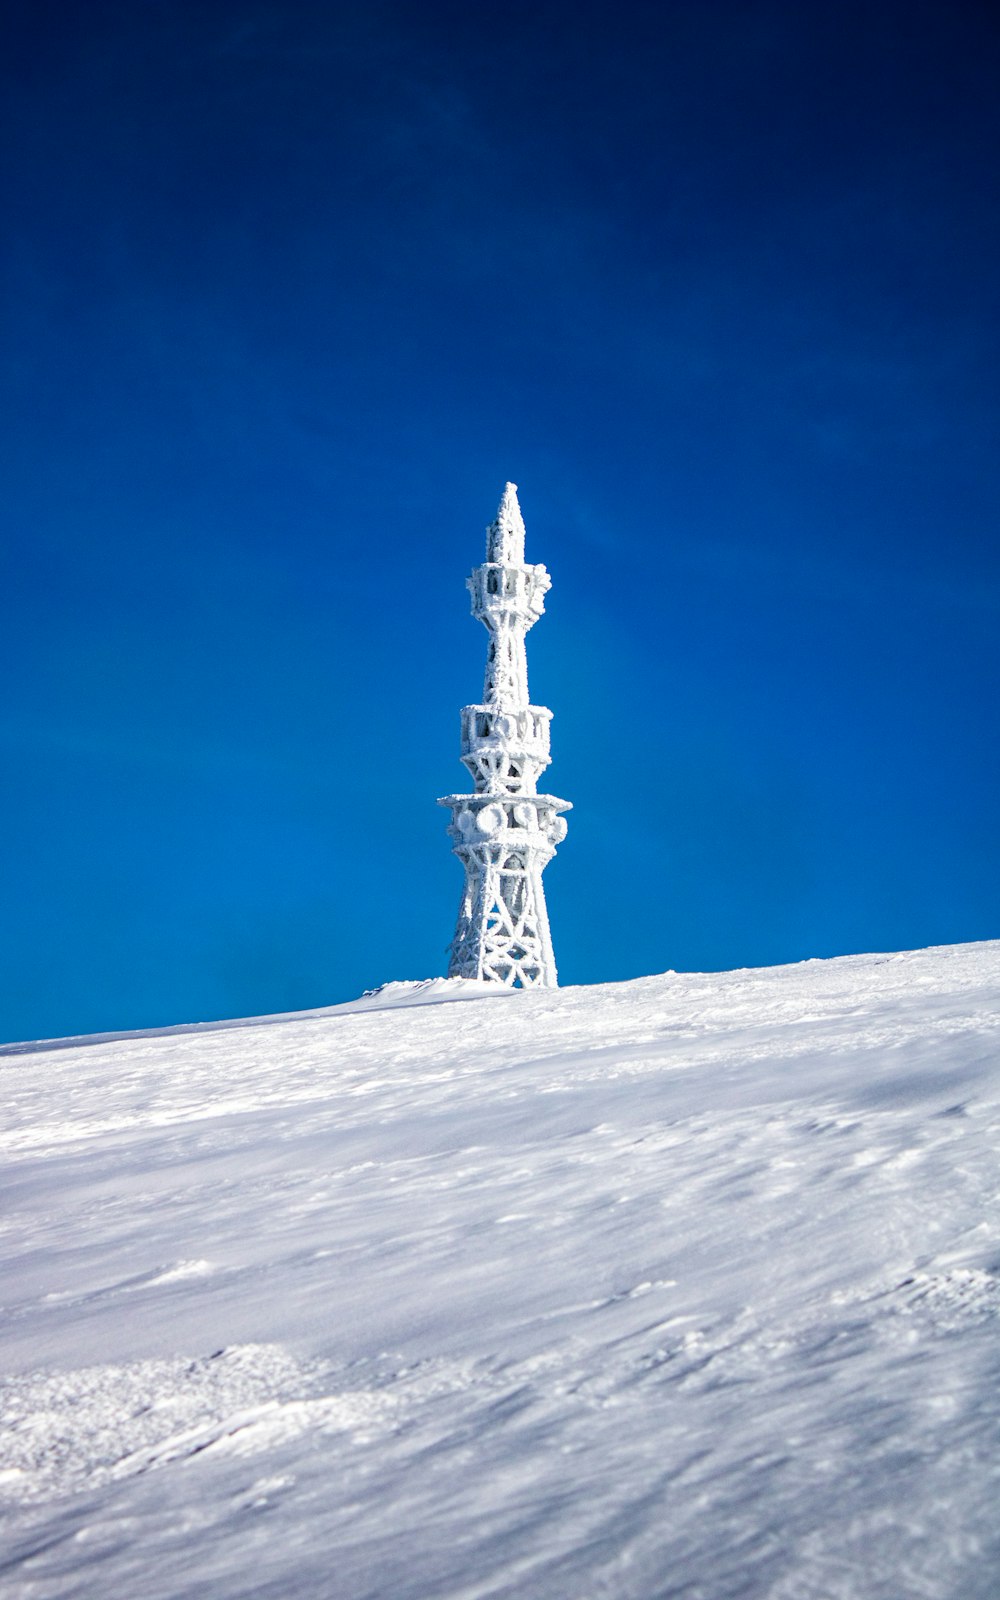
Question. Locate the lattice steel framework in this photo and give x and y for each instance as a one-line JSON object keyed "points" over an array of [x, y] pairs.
{"points": [[505, 833]]}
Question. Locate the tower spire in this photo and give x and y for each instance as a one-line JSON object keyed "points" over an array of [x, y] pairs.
{"points": [[505, 833], [505, 534]]}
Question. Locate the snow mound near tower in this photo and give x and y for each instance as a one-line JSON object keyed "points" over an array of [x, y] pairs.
{"points": [[425, 991], [684, 1286]]}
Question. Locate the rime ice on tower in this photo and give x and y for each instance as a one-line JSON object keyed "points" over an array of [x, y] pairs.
{"points": [[505, 833]]}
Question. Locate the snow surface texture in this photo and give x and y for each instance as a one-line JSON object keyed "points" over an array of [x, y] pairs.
{"points": [[688, 1286]]}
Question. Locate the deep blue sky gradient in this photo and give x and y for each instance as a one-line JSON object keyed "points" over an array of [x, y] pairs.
{"points": [[290, 289]]}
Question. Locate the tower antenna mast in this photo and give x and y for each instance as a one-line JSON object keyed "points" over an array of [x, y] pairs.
{"points": [[505, 833]]}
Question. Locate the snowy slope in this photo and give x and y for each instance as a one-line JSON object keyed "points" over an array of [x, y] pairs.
{"points": [[688, 1286]]}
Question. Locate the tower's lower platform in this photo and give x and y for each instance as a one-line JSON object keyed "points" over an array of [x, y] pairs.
{"points": [[504, 843]]}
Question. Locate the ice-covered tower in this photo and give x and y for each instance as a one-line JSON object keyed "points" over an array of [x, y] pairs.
{"points": [[505, 833]]}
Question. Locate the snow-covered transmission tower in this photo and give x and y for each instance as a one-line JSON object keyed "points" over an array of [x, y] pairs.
{"points": [[505, 833]]}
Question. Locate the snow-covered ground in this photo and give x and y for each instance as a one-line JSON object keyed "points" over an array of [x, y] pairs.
{"points": [[688, 1286]]}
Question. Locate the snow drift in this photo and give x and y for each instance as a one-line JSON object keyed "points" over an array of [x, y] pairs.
{"points": [[688, 1286]]}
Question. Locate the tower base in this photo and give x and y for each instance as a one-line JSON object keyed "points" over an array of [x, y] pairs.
{"points": [[503, 926]]}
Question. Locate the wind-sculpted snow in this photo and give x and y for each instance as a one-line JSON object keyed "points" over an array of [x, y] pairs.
{"points": [[682, 1287]]}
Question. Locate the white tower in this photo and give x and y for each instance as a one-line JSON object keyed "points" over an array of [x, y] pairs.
{"points": [[505, 833]]}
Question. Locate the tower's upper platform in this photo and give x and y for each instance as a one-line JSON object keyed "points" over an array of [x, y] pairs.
{"points": [[508, 597]]}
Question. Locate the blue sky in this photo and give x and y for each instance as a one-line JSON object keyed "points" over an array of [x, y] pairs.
{"points": [[290, 290]]}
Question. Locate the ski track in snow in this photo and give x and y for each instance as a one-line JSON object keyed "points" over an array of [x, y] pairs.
{"points": [[687, 1287]]}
